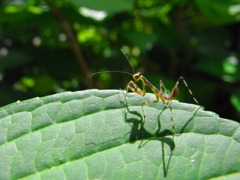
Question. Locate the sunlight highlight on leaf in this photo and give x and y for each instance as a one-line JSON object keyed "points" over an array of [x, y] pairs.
{"points": [[97, 15]]}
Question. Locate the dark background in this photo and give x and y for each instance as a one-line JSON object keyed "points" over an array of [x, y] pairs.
{"points": [[50, 46]]}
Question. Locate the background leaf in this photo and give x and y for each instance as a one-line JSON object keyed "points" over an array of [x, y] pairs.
{"points": [[220, 11], [44, 44], [96, 134], [110, 6]]}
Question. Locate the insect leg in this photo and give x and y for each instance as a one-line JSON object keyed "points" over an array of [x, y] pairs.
{"points": [[134, 88], [189, 90], [172, 121], [162, 86]]}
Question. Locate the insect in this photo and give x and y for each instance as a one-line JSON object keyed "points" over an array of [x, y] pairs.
{"points": [[158, 92]]}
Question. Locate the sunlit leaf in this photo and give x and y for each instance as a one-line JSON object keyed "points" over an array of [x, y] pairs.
{"points": [[96, 134]]}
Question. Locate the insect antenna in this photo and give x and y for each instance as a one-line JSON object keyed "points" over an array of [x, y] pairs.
{"points": [[128, 61], [93, 74]]}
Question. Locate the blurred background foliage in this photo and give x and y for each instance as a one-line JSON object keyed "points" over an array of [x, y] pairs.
{"points": [[49, 46]]}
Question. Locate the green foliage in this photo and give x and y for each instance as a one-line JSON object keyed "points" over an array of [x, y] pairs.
{"points": [[96, 134], [163, 39], [109, 6], [236, 100], [220, 11]]}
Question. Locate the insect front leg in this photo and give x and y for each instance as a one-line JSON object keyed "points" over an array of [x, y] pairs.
{"points": [[134, 88]]}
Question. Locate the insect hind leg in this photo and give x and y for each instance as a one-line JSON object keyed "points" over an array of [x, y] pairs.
{"points": [[189, 90], [172, 121]]}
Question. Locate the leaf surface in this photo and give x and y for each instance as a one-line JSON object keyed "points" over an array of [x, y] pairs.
{"points": [[97, 134]]}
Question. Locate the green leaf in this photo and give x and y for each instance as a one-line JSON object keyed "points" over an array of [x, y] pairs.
{"points": [[235, 100], [96, 134], [110, 6], [139, 39], [225, 69], [14, 59], [220, 12]]}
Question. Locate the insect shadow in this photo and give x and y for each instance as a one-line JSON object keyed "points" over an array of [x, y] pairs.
{"points": [[190, 119], [138, 132]]}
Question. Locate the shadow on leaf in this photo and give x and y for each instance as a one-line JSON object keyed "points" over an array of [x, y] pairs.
{"points": [[138, 132]]}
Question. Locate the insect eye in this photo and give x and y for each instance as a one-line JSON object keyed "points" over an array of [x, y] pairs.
{"points": [[137, 75]]}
